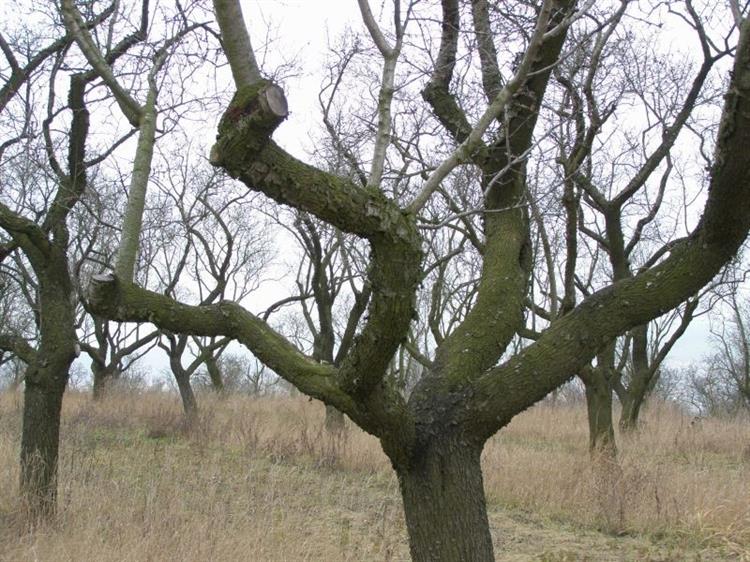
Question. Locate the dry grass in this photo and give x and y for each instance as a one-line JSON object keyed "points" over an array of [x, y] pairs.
{"points": [[673, 481], [259, 480]]}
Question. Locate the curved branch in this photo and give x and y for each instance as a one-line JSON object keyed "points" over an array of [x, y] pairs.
{"points": [[570, 342], [244, 150]]}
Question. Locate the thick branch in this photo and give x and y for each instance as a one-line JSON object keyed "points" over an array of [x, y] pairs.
{"points": [[127, 253], [492, 80], [574, 339], [18, 347], [465, 151], [245, 152]]}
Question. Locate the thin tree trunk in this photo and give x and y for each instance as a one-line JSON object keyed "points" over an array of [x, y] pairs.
{"points": [[189, 403], [444, 504], [103, 380], [631, 408], [599, 411], [214, 373], [40, 439]]}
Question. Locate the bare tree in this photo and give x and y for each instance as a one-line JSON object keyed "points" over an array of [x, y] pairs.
{"points": [[614, 190], [113, 348], [434, 438], [34, 215], [720, 383], [206, 248]]}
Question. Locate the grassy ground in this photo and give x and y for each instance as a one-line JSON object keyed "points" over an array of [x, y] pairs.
{"points": [[258, 480]]}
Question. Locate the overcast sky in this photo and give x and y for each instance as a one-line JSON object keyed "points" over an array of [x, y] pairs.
{"points": [[300, 31]]}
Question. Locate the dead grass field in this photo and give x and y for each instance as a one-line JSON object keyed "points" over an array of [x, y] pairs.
{"points": [[258, 480]]}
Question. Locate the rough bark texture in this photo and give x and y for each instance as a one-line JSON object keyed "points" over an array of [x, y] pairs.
{"points": [[45, 381], [39, 443], [443, 494], [435, 440]]}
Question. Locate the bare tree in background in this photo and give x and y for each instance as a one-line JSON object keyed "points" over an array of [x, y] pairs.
{"points": [[720, 383], [35, 215], [205, 248], [113, 348]]}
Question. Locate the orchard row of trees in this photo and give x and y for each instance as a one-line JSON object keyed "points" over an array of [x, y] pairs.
{"points": [[499, 198]]}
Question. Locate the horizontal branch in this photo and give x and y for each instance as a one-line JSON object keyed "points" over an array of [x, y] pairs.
{"points": [[245, 151], [125, 302], [382, 413]]}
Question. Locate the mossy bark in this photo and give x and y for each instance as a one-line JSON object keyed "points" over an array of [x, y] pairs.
{"points": [[40, 442], [435, 440], [444, 503], [45, 382]]}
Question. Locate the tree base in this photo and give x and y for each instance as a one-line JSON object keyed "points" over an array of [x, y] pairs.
{"points": [[444, 504]]}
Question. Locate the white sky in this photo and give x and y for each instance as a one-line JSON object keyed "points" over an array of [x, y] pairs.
{"points": [[300, 30]]}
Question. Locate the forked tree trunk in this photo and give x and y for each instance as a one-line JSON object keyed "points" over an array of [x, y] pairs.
{"points": [[641, 381], [599, 411], [40, 437], [444, 504]]}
